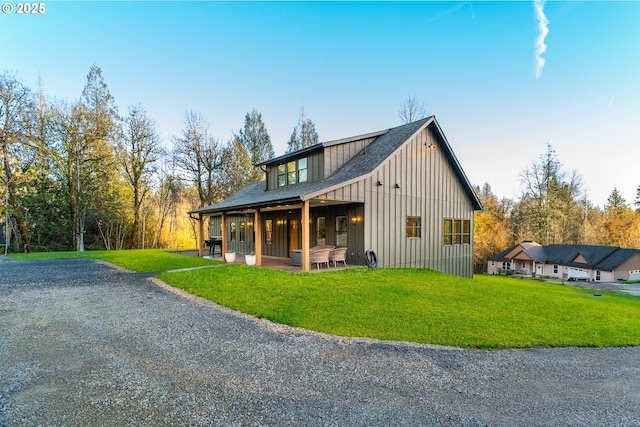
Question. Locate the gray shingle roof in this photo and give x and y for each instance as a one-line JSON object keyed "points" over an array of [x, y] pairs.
{"points": [[361, 164], [604, 258]]}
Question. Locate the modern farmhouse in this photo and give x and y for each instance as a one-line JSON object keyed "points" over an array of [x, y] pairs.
{"points": [[568, 262], [400, 193]]}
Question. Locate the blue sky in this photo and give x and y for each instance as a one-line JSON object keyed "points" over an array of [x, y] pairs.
{"points": [[351, 65]]}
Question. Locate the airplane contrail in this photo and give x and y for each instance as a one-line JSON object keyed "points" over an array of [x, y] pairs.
{"points": [[543, 29]]}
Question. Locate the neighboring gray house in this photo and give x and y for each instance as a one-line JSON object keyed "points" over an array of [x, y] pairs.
{"points": [[568, 262], [399, 192]]}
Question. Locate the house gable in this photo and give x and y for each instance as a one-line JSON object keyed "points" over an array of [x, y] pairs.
{"points": [[399, 192], [580, 259], [522, 256]]}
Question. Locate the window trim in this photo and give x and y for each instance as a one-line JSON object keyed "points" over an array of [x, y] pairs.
{"points": [[456, 231], [342, 232], [291, 172]]}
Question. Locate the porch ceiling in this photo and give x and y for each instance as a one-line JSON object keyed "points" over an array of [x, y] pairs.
{"points": [[313, 203]]}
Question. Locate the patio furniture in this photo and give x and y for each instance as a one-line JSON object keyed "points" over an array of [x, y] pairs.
{"points": [[212, 242], [315, 248], [338, 255], [320, 256], [296, 257]]}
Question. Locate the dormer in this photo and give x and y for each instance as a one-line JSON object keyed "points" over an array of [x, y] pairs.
{"points": [[300, 167], [314, 163]]}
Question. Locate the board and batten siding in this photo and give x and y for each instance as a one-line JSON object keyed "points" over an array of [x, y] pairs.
{"points": [[429, 189], [339, 154]]}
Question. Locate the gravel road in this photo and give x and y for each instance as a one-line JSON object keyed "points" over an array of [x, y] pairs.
{"points": [[83, 343]]}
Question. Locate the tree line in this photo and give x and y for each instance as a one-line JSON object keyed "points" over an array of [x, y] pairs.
{"points": [[78, 174]]}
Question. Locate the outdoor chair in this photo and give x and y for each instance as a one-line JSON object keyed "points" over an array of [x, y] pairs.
{"points": [[321, 256], [338, 255], [317, 248]]}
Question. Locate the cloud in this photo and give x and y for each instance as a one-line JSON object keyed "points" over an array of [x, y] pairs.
{"points": [[446, 12], [543, 29]]}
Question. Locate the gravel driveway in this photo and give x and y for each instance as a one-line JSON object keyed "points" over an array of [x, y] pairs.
{"points": [[83, 343]]}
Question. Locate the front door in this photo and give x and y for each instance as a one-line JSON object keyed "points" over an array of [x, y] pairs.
{"points": [[293, 230]]}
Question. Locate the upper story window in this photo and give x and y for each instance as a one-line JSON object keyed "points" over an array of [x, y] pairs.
{"points": [[292, 173], [302, 170]]}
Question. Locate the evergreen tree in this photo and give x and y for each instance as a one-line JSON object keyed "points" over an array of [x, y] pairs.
{"points": [[304, 134], [550, 210], [256, 142], [96, 177], [615, 202]]}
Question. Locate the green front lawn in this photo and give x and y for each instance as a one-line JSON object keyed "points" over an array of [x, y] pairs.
{"points": [[143, 260], [401, 304], [423, 306]]}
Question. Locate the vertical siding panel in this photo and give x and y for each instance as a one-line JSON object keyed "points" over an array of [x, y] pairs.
{"points": [[320, 168], [418, 201], [409, 198], [392, 206], [398, 209], [385, 235], [379, 236]]}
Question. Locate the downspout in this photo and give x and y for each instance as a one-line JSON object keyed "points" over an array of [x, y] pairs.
{"points": [[266, 178]]}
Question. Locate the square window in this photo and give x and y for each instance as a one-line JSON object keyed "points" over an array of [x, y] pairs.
{"points": [[414, 228]]}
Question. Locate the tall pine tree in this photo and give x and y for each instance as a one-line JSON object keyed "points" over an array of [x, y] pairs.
{"points": [[304, 134], [256, 142]]}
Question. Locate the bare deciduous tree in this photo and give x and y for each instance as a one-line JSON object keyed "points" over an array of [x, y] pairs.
{"points": [[138, 151], [199, 156], [412, 109], [16, 116]]}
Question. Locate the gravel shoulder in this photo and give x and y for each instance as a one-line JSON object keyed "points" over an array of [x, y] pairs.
{"points": [[84, 343]]}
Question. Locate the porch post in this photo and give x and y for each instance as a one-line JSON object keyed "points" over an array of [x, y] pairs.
{"points": [[305, 235], [224, 234], [200, 235], [257, 229]]}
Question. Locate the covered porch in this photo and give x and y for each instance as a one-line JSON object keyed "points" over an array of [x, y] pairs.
{"points": [[274, 232], [273, 262]]}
